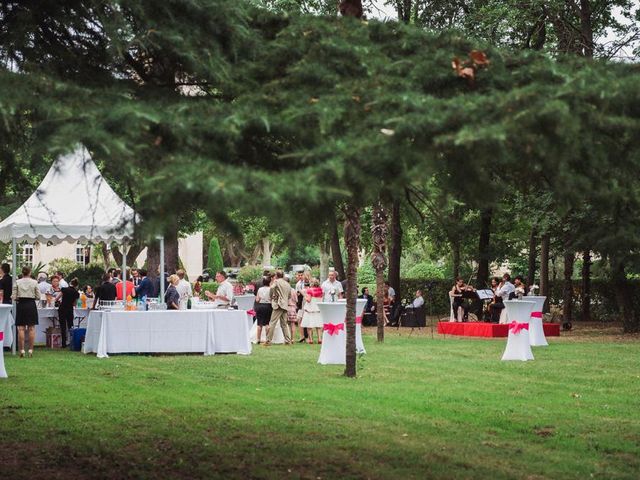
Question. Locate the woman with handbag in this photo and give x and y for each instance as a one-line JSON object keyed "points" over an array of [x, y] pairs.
{"points": [[25, 294]]}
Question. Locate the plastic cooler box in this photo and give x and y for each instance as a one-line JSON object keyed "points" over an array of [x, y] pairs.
{"points": [[77, 337]]}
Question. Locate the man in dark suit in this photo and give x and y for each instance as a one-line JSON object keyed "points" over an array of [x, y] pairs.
{"points": [[369, 312], [106, 291], [145, 288]]}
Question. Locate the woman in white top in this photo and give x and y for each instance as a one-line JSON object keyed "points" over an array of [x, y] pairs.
{"points": [[263, 307], [311, 318], [25, 294], [54, 294]]}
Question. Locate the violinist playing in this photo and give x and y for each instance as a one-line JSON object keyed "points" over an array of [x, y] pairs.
{"points": [[457, 293]]}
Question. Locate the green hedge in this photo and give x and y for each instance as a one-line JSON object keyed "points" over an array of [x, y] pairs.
{"points": [[603, 300], [604, 306]]}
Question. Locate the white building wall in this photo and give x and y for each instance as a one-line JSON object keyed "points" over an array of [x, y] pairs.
{"points": [[46, 254]]}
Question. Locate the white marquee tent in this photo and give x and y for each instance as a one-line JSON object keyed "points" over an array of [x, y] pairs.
{"points": [[73, 203]]}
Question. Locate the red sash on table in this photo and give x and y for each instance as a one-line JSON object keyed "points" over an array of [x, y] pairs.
{"points": [[332, 328], [1, 336], [315, 292], [536, 314], [358, 320], [515, 327], [251, 313]]}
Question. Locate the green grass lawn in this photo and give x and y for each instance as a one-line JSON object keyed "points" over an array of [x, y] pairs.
{"points": [[420, 408]]}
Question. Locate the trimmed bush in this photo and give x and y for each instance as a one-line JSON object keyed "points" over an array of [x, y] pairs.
{"points": [[214, 259]]}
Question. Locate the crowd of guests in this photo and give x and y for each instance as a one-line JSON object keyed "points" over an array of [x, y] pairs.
{"points": [[294, 310], [277, 305], [56, 292]]}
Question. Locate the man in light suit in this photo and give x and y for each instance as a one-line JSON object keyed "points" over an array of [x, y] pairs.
{"points": [[280, 293]]}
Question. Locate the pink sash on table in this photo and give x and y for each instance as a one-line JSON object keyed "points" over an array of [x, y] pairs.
{"points": [[332, 328], [515, 327]]}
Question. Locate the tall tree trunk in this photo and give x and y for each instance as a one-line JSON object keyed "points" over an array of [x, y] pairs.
{"points": [[396, 248], [325, 247], [132, 253], [455, 249], [403, 9], [483, 247], [630, 322], [153, 258], [379, 261], [585, 314], [567, 288], [171, 248], [586, 28], [336, 253], [352, 243], [531, 272], [544, 268], [105, 255], [267, 250]]}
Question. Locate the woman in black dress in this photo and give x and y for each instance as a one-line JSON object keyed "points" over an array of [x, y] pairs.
{"points": [[25, 293], [263, 307], [68, 300]]}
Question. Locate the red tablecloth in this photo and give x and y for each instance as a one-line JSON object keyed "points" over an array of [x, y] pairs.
{"points": [[482, 329]]}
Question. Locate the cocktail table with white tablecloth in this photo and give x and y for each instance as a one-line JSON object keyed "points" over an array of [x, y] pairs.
{"points": [[518, 347], [168, 331], [6, 323], [6, 334]]}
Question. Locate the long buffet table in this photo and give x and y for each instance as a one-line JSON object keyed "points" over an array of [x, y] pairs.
{"points": [[167, 331]]}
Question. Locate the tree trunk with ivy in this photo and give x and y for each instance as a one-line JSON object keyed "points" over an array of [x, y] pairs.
{"points": [[379, 261], [531, 270], [544, 267], [483, 247], [336, 252], [396, 248], [567, 291], [455, 251], [585, 314], [352, 242]]}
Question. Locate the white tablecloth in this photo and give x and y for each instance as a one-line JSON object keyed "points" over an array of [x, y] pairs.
{"points": [[6, 322], [168, 331]]}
